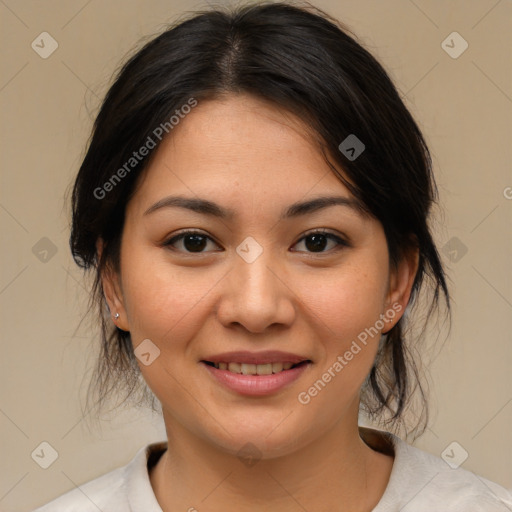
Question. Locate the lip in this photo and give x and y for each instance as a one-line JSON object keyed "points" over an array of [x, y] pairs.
{"points": [[256, 385], [264, 357]]}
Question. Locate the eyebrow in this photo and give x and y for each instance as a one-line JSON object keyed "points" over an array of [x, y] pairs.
{"points": [[207, 207]]}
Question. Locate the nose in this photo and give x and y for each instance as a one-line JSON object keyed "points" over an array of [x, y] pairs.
{"points": [[256, 295]]}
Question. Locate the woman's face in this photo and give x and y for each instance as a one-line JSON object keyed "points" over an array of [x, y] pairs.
{"points": [[255, 282]]}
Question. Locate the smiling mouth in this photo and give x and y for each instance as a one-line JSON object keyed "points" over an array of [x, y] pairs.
{"points": [[256, 369]]}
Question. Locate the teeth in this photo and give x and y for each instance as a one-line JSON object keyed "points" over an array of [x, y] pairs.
{"points": [[254, 369], [264, 369], [248, 369], [235, 367], [277, 367]]}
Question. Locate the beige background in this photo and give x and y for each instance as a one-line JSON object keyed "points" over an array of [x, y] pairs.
{"points": [[464, 106]]}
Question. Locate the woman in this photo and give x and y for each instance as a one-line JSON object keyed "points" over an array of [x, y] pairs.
{"points": [[254, 203]]}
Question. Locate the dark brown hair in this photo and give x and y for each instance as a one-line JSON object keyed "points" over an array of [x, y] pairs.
{"points": [[304, 61]]}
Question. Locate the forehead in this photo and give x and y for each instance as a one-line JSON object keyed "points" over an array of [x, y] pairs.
{"points": [[235, 150]]}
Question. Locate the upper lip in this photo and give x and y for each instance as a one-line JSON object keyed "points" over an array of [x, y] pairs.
{"points": [[264, 357]]}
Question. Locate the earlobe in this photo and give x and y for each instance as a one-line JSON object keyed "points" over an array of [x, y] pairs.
{"points": [[112, 292], [401, 283]]}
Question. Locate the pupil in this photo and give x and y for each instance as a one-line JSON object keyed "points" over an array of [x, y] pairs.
{"points": [[198, 242], [318, 242]]}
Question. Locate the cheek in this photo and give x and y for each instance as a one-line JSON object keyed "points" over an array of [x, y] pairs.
{"points": [[346, 308], [161, 301], [348, 299], [346, 311]]}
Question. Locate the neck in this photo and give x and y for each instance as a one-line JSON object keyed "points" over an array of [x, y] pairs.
{"points": [[338, 471]]}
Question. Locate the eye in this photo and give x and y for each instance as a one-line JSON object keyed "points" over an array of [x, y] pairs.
{"points": [[196, 241], [316, 241], [192, 241]]}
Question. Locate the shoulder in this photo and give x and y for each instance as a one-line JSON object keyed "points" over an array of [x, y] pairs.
{"points": [[117, 490], [102, 493], [421, 482]]}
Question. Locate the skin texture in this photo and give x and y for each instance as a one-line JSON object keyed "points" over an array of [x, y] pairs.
{"points": [[247, 155]]}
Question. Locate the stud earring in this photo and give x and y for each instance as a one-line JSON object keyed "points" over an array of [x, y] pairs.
{"points": [[116, 316]]}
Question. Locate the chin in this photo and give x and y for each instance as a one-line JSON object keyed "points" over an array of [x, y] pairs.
{"points": [[262, 439]]}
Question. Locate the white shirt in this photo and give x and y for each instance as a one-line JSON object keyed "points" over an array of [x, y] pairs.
{"points": [[419, 482]]}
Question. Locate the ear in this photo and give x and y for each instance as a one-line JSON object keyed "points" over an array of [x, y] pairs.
{"points": [[400, 285], [112, 291]]}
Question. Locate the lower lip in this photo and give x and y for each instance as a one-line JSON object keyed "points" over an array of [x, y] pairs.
{"points": [[256, 385]]}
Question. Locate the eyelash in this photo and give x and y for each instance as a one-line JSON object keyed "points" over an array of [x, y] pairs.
{"points": [[340, 242]]}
